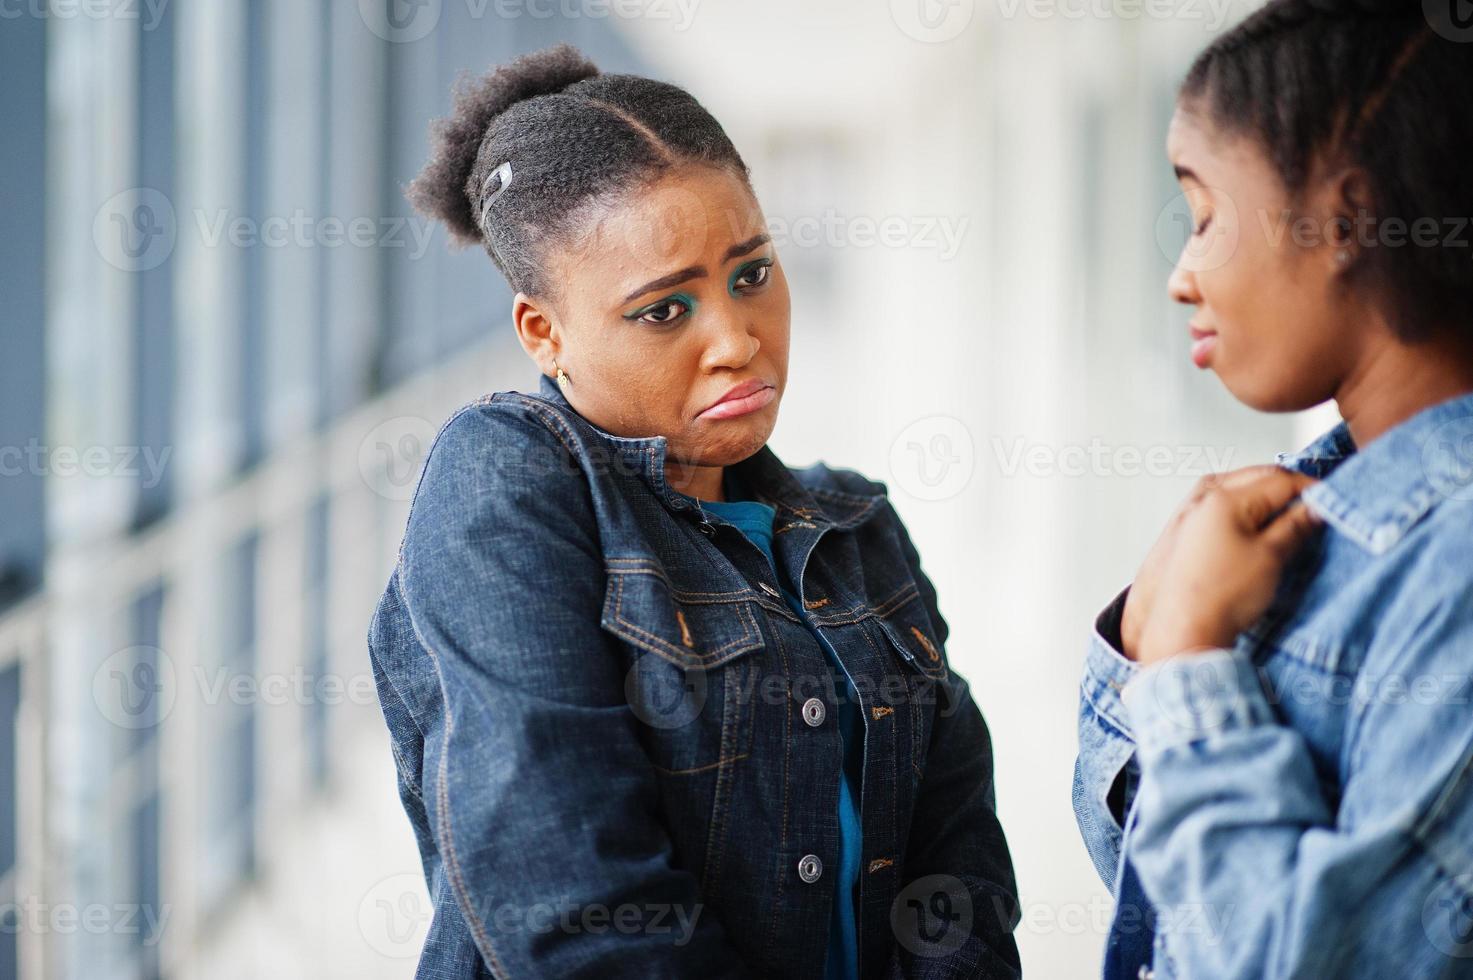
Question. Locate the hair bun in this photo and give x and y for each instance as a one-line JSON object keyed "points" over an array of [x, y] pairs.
{"points": [[440, 189]]}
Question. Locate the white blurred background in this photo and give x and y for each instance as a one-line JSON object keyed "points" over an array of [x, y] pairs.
{"points": [[227, 340]]}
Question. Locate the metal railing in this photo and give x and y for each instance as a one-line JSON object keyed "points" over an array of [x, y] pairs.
{"points": [[74, 813]]}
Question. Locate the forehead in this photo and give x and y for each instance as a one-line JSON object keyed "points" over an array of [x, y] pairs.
{"points": [[688, 217], [1185, 135], [1219, 157]]}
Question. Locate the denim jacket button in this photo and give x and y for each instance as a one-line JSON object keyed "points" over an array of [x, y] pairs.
{"points": [[768, 589], [1145, 973], [813, 712], [707, 528], [809, 868]]}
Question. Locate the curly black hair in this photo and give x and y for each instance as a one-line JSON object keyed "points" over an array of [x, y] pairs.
{"points": [[1372, 84], [570, 134]]}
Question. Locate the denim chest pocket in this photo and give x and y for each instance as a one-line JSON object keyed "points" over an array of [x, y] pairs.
{"points": [[906, 626], [691, 667]]}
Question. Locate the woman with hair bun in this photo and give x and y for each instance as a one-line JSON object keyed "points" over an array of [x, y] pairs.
{"points": [[661, 706], [1275, 770]]}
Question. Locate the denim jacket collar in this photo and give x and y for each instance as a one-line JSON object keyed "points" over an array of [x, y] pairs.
{"points": [[766, 475], [1375, 495]]}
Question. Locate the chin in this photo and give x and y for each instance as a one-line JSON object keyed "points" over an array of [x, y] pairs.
{"points": [[1263, 392], [739, 439]]}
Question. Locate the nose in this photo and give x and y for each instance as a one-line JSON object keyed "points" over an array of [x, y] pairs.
{"points": [[1182, 286], [732, 343]]}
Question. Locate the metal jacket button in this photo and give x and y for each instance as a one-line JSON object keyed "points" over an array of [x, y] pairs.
{"points": [[813, 712], [809, 868], [768, 589]]}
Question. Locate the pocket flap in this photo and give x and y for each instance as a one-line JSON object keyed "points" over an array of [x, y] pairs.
{"points": [[691, 629], [909, 628]]}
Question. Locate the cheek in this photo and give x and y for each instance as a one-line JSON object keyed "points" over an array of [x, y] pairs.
{"points": [[775, 336], [774, 324], [635, 381], [1279, 339], [656, 374], [1253, 298]]}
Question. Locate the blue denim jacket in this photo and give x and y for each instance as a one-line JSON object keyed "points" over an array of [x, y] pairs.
{"points": [[1302, 804], [600, 710], [755, 520]]}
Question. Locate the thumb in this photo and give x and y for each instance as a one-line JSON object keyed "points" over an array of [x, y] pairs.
{"points": [[1288, 532], [1258, 500]]}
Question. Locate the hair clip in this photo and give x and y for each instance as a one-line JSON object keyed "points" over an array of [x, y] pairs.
{"points": [[502, 174]]}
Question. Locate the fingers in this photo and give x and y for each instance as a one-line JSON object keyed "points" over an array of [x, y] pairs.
{"points": [[1255, 499], [1207, 484], [1288, 532], [1248, 475], [1204, 486], [1245, 476]]}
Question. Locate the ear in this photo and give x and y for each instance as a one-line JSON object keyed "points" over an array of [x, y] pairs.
{"points": [[1350, 206], [537, 330]]}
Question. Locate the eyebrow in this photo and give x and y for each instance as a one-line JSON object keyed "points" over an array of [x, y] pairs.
{"points": [[695, 271]]}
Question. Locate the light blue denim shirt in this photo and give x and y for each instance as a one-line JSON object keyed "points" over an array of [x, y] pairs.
{"points": [[1301, 805]]}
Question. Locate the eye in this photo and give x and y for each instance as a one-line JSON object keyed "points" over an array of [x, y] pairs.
{"points": [[754, 275], [1202, 225], [664, 312]]}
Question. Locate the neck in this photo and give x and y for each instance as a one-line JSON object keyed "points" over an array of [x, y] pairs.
{"points": [[701, 482], [1396, 380]]}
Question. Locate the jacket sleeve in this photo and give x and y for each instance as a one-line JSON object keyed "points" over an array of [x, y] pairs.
{"points": [[957, 850], [541, 799], [1254, 871], [1106, 770]]}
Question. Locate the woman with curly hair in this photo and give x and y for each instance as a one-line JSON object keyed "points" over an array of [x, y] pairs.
{"points": [[660, 705], [1276, 746]]}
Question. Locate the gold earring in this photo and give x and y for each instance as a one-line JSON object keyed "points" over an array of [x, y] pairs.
{"points": [[562, 378]]}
